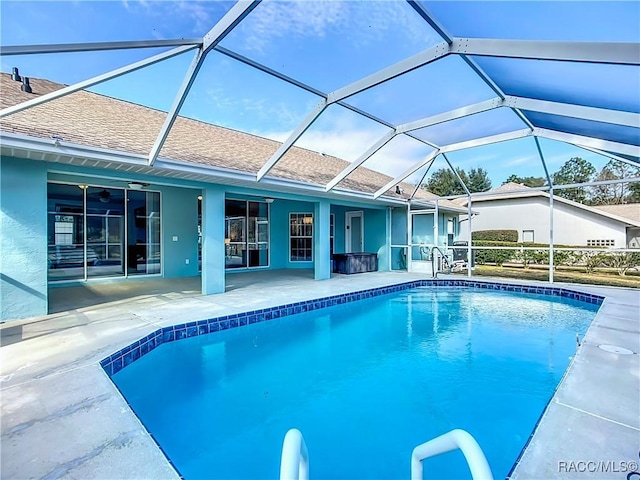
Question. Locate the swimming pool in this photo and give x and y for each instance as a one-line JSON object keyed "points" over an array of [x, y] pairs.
{"points": [[378, 375]]}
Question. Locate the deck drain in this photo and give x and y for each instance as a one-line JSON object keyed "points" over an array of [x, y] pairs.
{"points": [[615, 349]]}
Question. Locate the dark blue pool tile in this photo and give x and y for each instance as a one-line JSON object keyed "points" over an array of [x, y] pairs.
{"points": [[168, 336], [116, 366], [203, 329], [224, 324], [135, 354], [144, 348], [214, 327]]}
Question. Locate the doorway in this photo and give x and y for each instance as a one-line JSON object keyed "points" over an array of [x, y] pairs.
{"points": [[354, 232]]}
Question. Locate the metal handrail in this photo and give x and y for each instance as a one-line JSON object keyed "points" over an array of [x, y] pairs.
{"points": [[453, 440], [294, 464], [444, 257]]}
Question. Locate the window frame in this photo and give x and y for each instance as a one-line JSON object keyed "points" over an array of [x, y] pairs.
{"points": [[301, 215]]}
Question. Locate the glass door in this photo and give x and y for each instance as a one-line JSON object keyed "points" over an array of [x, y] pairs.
{"points": [[258, 234], [105, 231], [235, 234], [143, 232]]}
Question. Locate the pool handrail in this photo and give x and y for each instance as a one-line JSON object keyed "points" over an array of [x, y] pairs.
{"points": [[294, 464], [453, 440]]}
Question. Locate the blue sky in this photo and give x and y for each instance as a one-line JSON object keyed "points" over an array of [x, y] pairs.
{"points": [[328, 45]]}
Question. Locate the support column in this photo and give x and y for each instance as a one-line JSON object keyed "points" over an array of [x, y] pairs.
{"points": [[213, 271], [386, 266], [321, 253]]}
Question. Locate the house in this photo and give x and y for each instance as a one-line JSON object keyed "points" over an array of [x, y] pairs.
{"points": [[516, 207], [80, 202]]}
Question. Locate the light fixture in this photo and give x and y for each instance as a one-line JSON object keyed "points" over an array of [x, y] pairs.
{"points": [[82, 186], [137, 185], [268, 200], [104, 196], [399, 191], [200, 197]]}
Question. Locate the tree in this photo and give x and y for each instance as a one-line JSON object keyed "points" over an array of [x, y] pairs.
{"points": [[615, 193], [575, 170], [526, 181], [443, 182], [479, 180]]}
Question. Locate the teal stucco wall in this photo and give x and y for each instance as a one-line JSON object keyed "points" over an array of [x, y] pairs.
{"points": [[23, 238], [179, 211]]}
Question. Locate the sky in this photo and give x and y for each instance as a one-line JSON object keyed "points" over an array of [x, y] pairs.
{"points": [[329, 44]]}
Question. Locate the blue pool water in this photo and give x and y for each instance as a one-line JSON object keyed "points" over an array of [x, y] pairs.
{"points": [[365, 382]]}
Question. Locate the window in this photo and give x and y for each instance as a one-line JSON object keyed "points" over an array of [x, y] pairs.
{"points": [[301, 237], [527, 236], [601, 243]]}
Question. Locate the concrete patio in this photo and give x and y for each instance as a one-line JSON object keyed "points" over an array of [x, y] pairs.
{"points": [[62, 416]]}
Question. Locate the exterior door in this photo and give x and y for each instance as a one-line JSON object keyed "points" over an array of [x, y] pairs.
{"points": [[354, 232]]}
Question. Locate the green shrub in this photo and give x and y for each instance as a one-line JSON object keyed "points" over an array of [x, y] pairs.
{"points": [[493, 256], [495, 235]]}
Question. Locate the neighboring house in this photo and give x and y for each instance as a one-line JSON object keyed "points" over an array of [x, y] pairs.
{"points": [[513, 207], [79, 201]]}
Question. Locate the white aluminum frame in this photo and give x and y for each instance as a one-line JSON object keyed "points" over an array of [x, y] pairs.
{"points": [[589, 52]]}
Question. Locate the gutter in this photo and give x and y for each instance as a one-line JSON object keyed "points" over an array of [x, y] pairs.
{"points": [[60, 149]]}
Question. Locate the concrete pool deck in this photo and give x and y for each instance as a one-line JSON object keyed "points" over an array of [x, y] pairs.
{"points": [[62, 416]]}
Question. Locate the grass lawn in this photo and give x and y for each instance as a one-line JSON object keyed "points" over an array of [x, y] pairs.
{"points": [[571, 276]]}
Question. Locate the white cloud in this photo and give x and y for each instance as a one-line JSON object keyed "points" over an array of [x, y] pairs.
{"points": [[274, 20]]}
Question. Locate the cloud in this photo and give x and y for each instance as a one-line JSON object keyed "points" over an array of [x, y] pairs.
{"points": [[275, 20], [350, 143]]}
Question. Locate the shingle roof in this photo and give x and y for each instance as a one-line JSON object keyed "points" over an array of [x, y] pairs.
{"points": [[629, 210], [621, 213], [96, 120]]}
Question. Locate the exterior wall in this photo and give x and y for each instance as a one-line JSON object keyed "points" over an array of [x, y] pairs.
{"points": [[572, 226], [179, 213], [23, 238]]}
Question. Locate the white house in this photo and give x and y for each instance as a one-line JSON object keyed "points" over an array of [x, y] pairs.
{"points": [[513, 207]]}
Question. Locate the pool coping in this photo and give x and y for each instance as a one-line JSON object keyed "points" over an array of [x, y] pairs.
{"points": [[134, 351]]}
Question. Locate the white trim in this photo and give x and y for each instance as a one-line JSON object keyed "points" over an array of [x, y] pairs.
{"points": [[361, 159], [293, 137], [602, 115], [580, 140], [348, 228], [408, 64], [590, 52], [95, 46], [312, 237], [132, 67], [461, 112]]}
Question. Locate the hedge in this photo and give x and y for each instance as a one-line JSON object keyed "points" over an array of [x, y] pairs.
{"points": [[590, 260], [495, 235]]}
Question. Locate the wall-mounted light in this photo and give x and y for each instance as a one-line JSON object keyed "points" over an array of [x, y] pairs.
{"points": [[399, 191], [82, 186]]}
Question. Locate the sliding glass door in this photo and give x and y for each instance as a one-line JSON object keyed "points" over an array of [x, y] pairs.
{"points": [[96, 231], [246, 234]]}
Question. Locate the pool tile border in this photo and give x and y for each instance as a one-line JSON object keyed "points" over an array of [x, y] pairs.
{"points": [[129, 354]]}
